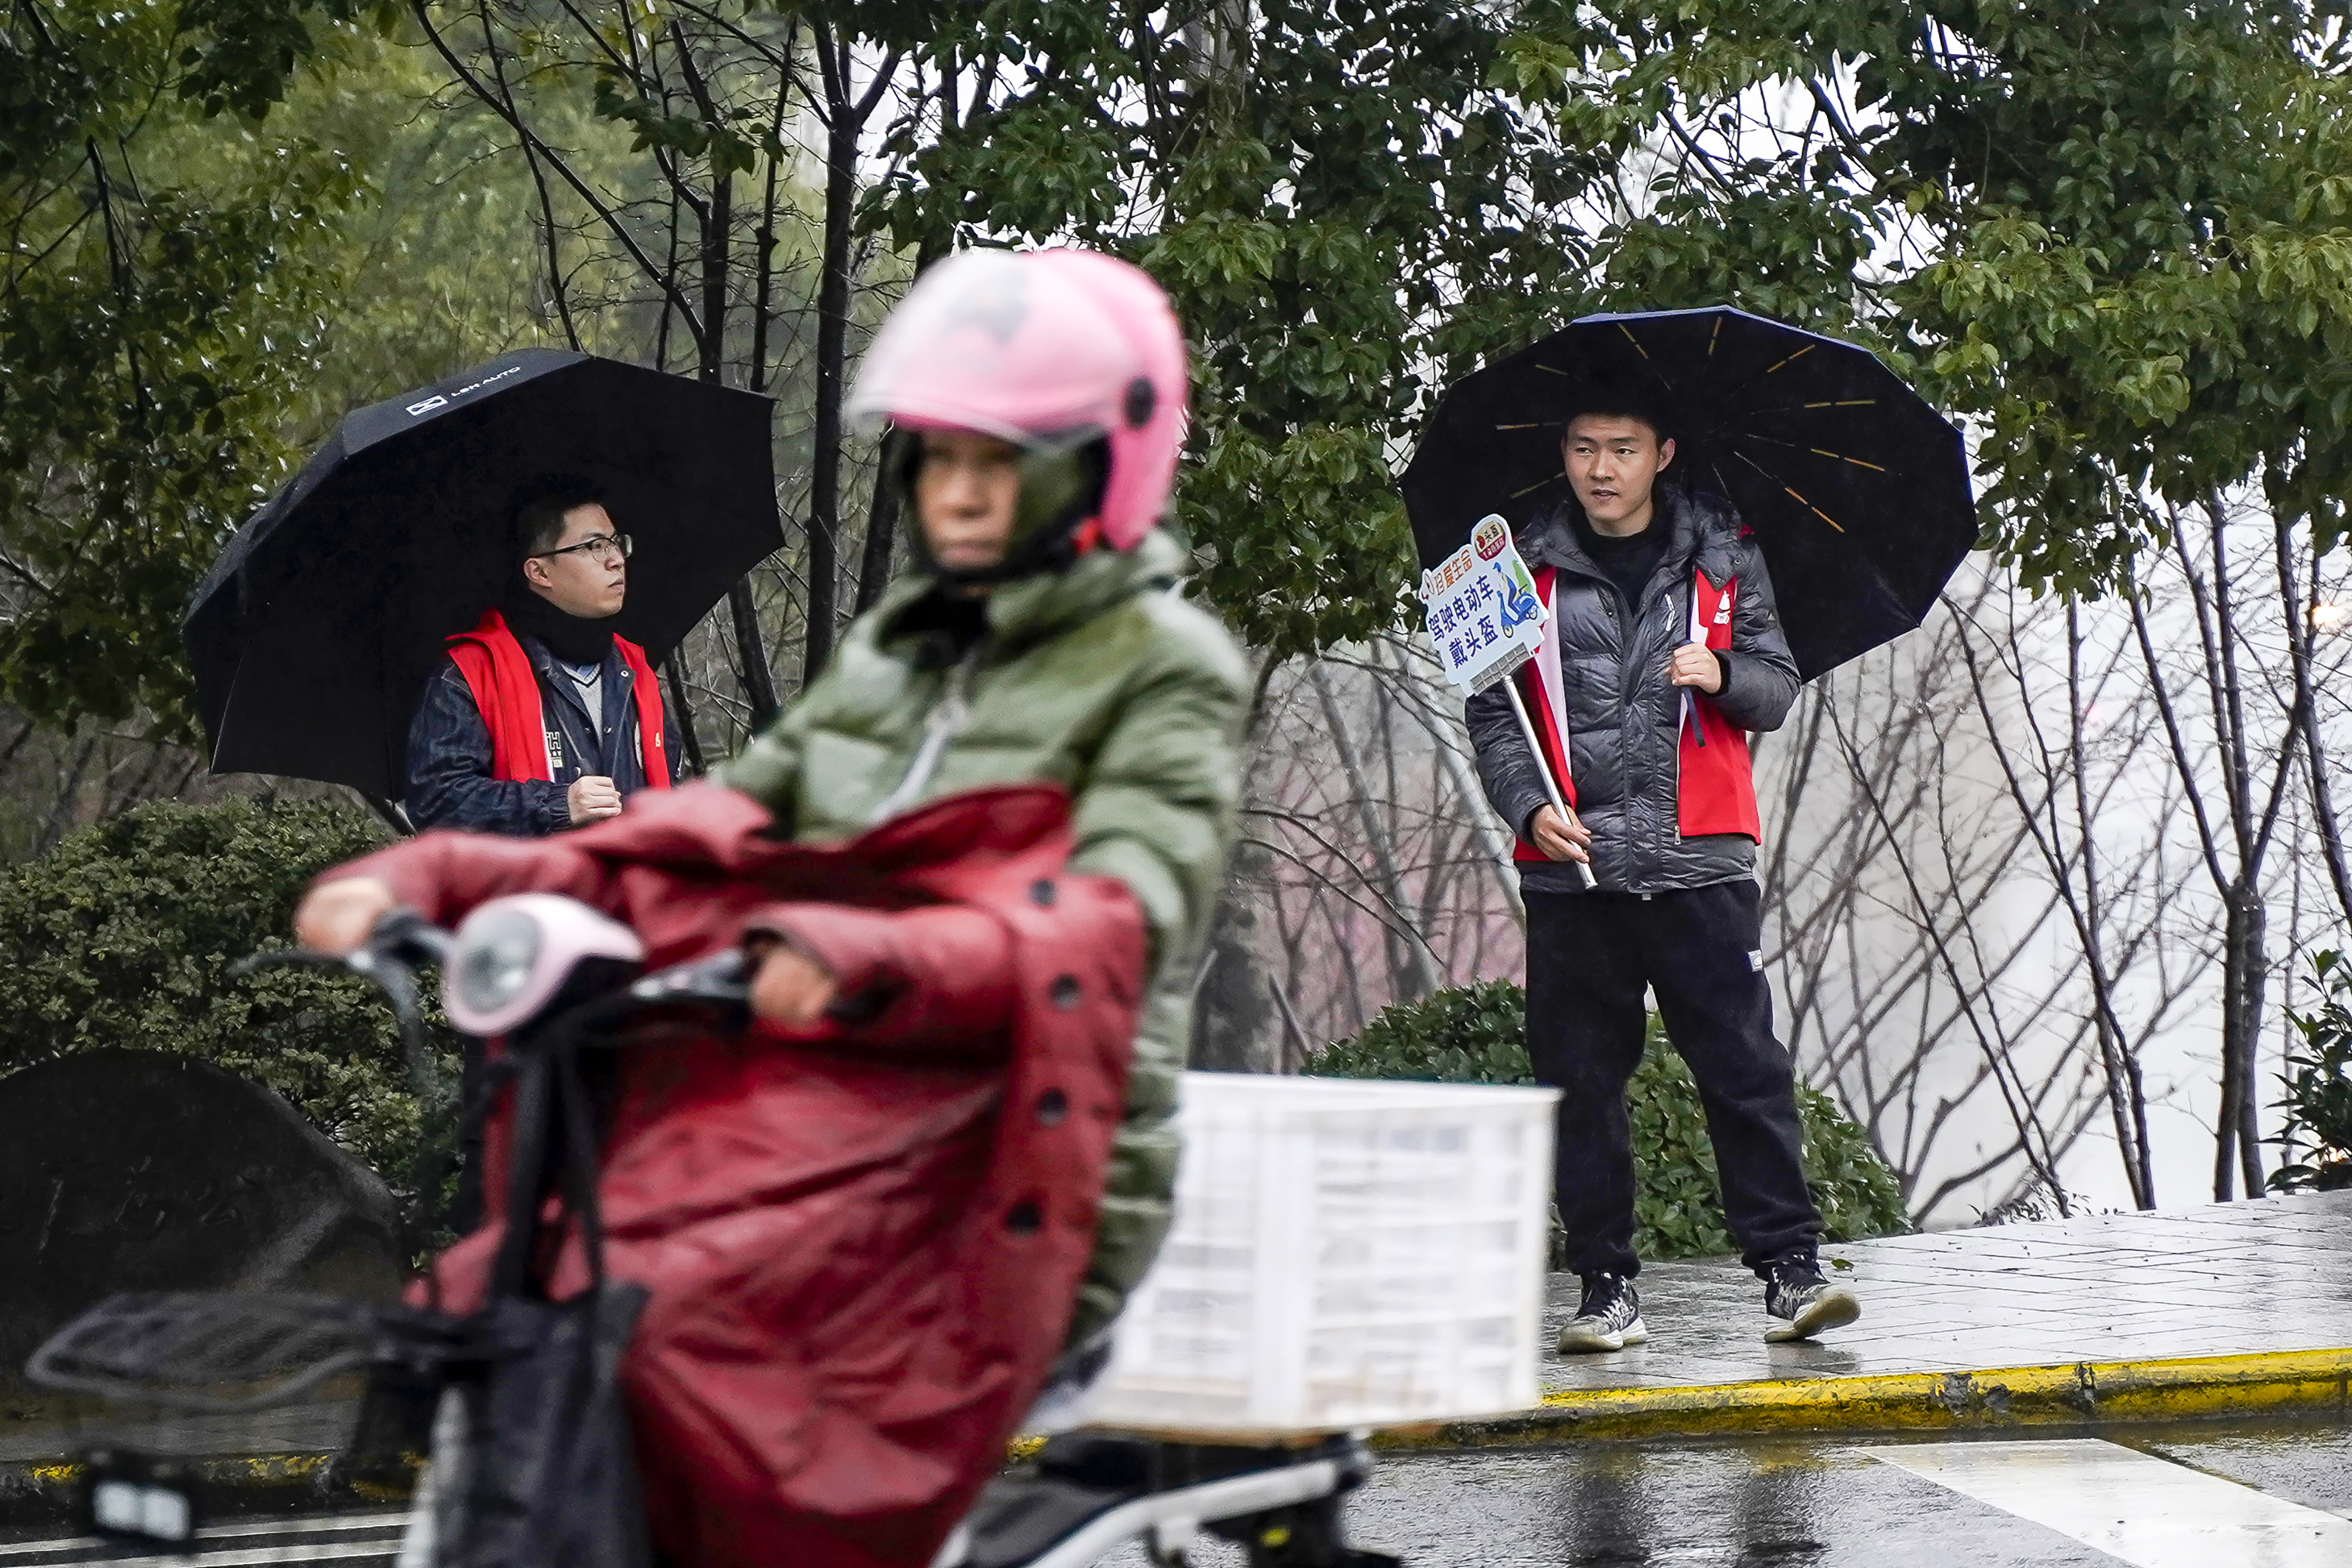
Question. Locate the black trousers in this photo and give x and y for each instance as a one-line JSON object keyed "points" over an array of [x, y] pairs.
{"points": [[1590, 957]]}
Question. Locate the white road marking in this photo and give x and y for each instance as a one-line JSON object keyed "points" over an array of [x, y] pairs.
{"points": [[2146, 1511], [253, 1556], [383, 1519], [387, 1524], [58, 1547]]}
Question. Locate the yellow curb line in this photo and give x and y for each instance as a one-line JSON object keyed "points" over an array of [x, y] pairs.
{"points": [[2307, 1381], [249, 1468], [2182, 1388]]}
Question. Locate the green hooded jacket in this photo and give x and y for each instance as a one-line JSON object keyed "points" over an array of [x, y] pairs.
{"points": [[1100, 678]]}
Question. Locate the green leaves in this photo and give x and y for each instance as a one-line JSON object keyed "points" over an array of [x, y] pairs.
{"points": [[1477, 1034], [2318, 1082], [1318, 190], [734, 144], [162, 309], [238, 55], [2116, 240], [142, 376], [2113, 239]]}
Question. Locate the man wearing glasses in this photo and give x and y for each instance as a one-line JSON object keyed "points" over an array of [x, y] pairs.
{"points": [[541, 718]]}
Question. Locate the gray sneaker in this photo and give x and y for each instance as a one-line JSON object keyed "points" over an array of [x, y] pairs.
{"points": [[1798, 1304], [1609, 1318]]}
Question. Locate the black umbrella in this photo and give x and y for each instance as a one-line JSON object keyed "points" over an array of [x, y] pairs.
{"points": [[1857, 490], [313, 632]]}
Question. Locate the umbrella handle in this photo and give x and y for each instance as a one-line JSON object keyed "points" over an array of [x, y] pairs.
{"points": [[1543, 771]]}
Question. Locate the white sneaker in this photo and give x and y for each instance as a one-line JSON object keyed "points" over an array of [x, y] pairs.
{"points": [[1609, 1318], [1798, 1304]]}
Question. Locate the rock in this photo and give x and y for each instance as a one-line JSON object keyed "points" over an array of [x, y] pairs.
{"points": [[129, 1170]]}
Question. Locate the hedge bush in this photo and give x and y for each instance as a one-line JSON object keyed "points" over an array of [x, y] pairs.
{"points": [[124, 936], [1476, 1034], [2318, 1080]]}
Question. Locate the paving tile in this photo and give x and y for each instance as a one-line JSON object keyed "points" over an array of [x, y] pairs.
{"points": [[2263, 1276]]}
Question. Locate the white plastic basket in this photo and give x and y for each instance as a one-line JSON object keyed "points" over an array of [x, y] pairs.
{"points": [[1345, 1254]]}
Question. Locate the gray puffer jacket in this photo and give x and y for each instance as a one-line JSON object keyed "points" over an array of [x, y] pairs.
{"points": [[1624, 734]]}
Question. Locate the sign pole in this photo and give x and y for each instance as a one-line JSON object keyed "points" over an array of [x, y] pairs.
{"points": [[1689, 719], [1543, 769]]}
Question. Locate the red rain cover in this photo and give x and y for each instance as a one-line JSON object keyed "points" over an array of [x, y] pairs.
{"points": [[862, 1240]]}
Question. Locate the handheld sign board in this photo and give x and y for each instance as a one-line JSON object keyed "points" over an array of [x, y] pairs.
{"points": [[1486, 620], [1482, 608]]}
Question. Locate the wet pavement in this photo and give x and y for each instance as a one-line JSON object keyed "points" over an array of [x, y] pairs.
{"points": [[2264, 1284], [2230, 1279], [2274, 1495], [2277, 1496]]}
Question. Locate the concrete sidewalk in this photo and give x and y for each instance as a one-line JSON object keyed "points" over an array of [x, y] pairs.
{"points": [[2232, 1308]]}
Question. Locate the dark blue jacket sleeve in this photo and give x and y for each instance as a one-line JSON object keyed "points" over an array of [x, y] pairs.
{"points": [[449, 782], [673, 748], [1509, 770], [1759, 675]]}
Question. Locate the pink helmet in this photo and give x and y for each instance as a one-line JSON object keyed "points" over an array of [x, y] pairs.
{"points": [[1045, 349]]}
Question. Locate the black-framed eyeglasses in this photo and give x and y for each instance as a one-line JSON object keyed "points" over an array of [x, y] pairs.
{"points": [[599, 546]]}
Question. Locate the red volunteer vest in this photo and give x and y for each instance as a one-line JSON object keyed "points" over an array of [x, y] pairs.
{"points": [[1715, 785], [499, 675]]}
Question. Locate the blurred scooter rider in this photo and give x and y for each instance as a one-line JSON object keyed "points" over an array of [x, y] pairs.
{"points": [[1036, 403]]}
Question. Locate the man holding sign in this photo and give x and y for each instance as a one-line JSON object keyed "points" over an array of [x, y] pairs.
{"points": [[1610, 717]]}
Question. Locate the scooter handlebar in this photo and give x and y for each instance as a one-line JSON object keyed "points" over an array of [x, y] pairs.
{"points": [[400, 931], [722, 979]]}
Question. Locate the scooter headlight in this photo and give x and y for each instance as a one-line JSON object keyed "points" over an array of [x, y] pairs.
{"points": [[495, 958]]}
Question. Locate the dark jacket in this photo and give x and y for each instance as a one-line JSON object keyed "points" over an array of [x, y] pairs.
{"points": [[1623, 718], [449, 780]]}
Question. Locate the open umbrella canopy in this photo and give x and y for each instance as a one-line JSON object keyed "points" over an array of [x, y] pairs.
{"points": [[313, 634], [1857, 490]]}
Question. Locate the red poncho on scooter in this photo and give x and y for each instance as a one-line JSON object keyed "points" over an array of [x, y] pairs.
{"points": [[863, 1237]]}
